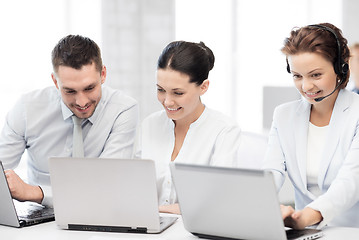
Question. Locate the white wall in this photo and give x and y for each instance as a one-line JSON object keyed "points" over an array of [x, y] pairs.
{"points": [[134, 33], [350, 20], [29, 31], [246, 37]]}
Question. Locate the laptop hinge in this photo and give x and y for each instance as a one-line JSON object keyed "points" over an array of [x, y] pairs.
{"points": [[98, 228], [200, 235]]}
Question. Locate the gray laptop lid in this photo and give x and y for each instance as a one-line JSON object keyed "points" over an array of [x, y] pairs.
{"points": [[105, 194], [8, 214], [228, 202]]}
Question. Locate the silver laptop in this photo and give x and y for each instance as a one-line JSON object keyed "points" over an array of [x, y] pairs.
{"points": [[20, 214], [231, 203], [102, 194]]}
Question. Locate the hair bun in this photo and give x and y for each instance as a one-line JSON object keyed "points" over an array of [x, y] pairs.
{"points": [[209, 53]]}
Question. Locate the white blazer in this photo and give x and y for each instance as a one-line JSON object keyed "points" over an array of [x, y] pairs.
{"points": [[339, 167]]}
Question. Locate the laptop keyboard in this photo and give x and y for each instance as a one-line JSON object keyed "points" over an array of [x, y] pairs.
{"points": [[35, 213], [311, 233], [30, 210]]}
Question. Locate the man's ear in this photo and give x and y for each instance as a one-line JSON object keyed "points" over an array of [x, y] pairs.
{"points": [[204, 86], [103, 74], [54, 80]]}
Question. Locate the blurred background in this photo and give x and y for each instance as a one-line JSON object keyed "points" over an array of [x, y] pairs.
{"points": [[249, 76]]}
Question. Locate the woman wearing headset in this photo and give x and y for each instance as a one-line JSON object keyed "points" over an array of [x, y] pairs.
{"points": [[185, 130], [315, 139]]}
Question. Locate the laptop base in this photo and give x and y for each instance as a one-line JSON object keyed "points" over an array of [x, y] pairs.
{"points": [[97, 228], [24, 223], [291, 235], [213, 237], [165, 222]]}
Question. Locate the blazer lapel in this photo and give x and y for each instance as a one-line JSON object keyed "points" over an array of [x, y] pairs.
{"points": [[301, 136], [333, 135]]}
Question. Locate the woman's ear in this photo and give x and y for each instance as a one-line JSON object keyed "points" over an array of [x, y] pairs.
{"points": [[204, 86]]}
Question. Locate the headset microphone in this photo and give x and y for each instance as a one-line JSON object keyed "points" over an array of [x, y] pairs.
{"points": [[321, 98]]}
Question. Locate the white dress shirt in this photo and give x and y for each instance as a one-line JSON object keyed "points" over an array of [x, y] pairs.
{"points": [[41, 123], [213, 139]]}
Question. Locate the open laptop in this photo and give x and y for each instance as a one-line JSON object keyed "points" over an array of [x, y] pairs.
{"points": [[231, 203], [20, 214], [102, 194]]}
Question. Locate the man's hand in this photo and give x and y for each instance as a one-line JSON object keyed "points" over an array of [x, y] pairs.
{"points": [[22, 191]]}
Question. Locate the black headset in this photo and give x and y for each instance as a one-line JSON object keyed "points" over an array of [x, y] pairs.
{"points": [[340, 66]]}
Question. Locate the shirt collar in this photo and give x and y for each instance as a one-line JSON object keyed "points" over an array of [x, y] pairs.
{"points": [[66, 112], [201, 118]]}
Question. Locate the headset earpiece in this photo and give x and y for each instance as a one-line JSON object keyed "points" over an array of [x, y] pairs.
{"points": [[345, 68]]}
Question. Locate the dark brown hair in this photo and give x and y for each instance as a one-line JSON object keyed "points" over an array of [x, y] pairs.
{"points": [[76, 51]]}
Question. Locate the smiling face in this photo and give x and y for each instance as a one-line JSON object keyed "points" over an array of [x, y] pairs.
{"points": [[313, 76], [179, 97], [80, 89]]}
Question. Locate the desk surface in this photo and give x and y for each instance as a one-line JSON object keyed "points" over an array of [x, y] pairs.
{"points": [[175, 232]]}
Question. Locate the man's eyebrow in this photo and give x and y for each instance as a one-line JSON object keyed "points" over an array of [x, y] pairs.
{"points": [[90, 86], [67, 88]]}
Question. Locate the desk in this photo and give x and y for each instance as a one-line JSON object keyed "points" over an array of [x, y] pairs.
{"points": [[49, 230]]}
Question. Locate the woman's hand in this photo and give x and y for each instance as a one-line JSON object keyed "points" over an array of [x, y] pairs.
{"points": [[300, 219], [172, 208]]}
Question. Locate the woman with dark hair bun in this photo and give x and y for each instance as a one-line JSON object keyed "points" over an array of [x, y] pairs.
{"points": [[186, 130], [315, 140]]}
